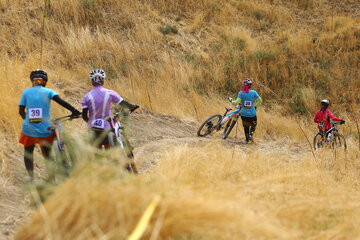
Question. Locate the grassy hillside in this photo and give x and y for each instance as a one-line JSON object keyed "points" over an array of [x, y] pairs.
{"points": [[156, 53], [184, 58]]}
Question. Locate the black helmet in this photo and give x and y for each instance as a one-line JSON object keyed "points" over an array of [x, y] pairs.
{"points": [[38, 73]]}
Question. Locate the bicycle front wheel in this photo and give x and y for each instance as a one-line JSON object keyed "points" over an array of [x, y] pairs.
{"points": [[131, 167], [209, 125], [229, 126], [319, 140], [338, 141]]}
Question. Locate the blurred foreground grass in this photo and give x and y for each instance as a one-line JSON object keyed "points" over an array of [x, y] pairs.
{"points": [[208, 192]]}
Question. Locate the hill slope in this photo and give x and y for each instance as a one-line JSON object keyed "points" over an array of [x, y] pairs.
{"points": [[181, 60]]}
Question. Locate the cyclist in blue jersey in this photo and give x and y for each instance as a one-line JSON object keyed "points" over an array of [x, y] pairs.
{"points": [[34, 108], [246, 99]]}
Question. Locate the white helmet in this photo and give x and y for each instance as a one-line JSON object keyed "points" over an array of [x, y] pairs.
{"points": [[325, 102], [97, 76]]}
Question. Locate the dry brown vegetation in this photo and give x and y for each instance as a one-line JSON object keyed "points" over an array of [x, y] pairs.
{"points": [[296, 51], [208, 193], [184, 58]]}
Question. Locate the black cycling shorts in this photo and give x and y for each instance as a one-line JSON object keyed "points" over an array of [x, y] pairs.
{"points": [[249, 121], [99, 136]]}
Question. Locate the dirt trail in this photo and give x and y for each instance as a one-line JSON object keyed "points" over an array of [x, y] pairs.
{"points": [[152, 135]]}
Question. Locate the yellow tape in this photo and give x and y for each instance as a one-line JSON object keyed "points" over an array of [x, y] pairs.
{"points": [[144, 220]]}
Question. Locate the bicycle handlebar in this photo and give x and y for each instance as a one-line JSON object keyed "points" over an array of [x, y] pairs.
{"points": [[117, 114], [65, 118], [133, 110], [332, 123]]}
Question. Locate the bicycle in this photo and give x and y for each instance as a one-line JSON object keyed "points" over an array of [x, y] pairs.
{"points": [[216, 121], [61, 154], [331, 137], [116, 138]]}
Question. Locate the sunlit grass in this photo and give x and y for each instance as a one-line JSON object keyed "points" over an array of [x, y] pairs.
{"points": [[209, 192], [297, 52]]}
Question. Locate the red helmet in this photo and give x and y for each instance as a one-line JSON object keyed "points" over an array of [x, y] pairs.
{"points": [[247, 81]]}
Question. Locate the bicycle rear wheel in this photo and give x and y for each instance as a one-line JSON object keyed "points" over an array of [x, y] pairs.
{"points": [[229, 126], [319, 140], [62, 159], [338, 141], [208, 125]]}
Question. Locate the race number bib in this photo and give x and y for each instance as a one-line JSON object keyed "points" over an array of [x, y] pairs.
{"points": [[247, 104], [35, 115], [98, 123]]}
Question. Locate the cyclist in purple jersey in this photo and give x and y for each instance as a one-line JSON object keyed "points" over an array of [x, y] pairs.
{"points": [[97, 106]]}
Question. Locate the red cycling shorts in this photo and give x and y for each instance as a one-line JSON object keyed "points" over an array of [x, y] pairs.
{"points": [[29, 141]]}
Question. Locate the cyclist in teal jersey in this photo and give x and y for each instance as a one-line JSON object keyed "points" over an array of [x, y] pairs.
{"points": [[34, 108], [246, 99]]}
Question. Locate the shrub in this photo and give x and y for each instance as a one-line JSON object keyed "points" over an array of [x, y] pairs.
{"points": [[88, 4], [258, 15], [264, 56], [239, 43], [169, 29], [297, 103], [357, 34]]}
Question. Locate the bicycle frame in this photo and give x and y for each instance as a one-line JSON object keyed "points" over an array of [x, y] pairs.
{"points": [[332, 130], [57, 128], [226, 117], [61, 156], [117, 128], [330, 137]]}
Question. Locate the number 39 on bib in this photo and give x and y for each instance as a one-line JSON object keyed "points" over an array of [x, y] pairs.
{"points": [[35, 115], [247, 104]]}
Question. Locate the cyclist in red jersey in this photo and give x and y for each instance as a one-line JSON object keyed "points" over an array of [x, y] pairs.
{"points": [[323, 116]]}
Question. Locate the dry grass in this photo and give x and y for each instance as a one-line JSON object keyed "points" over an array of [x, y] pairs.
{"points": [[218, 43], [297, 52], [207, 194]]}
